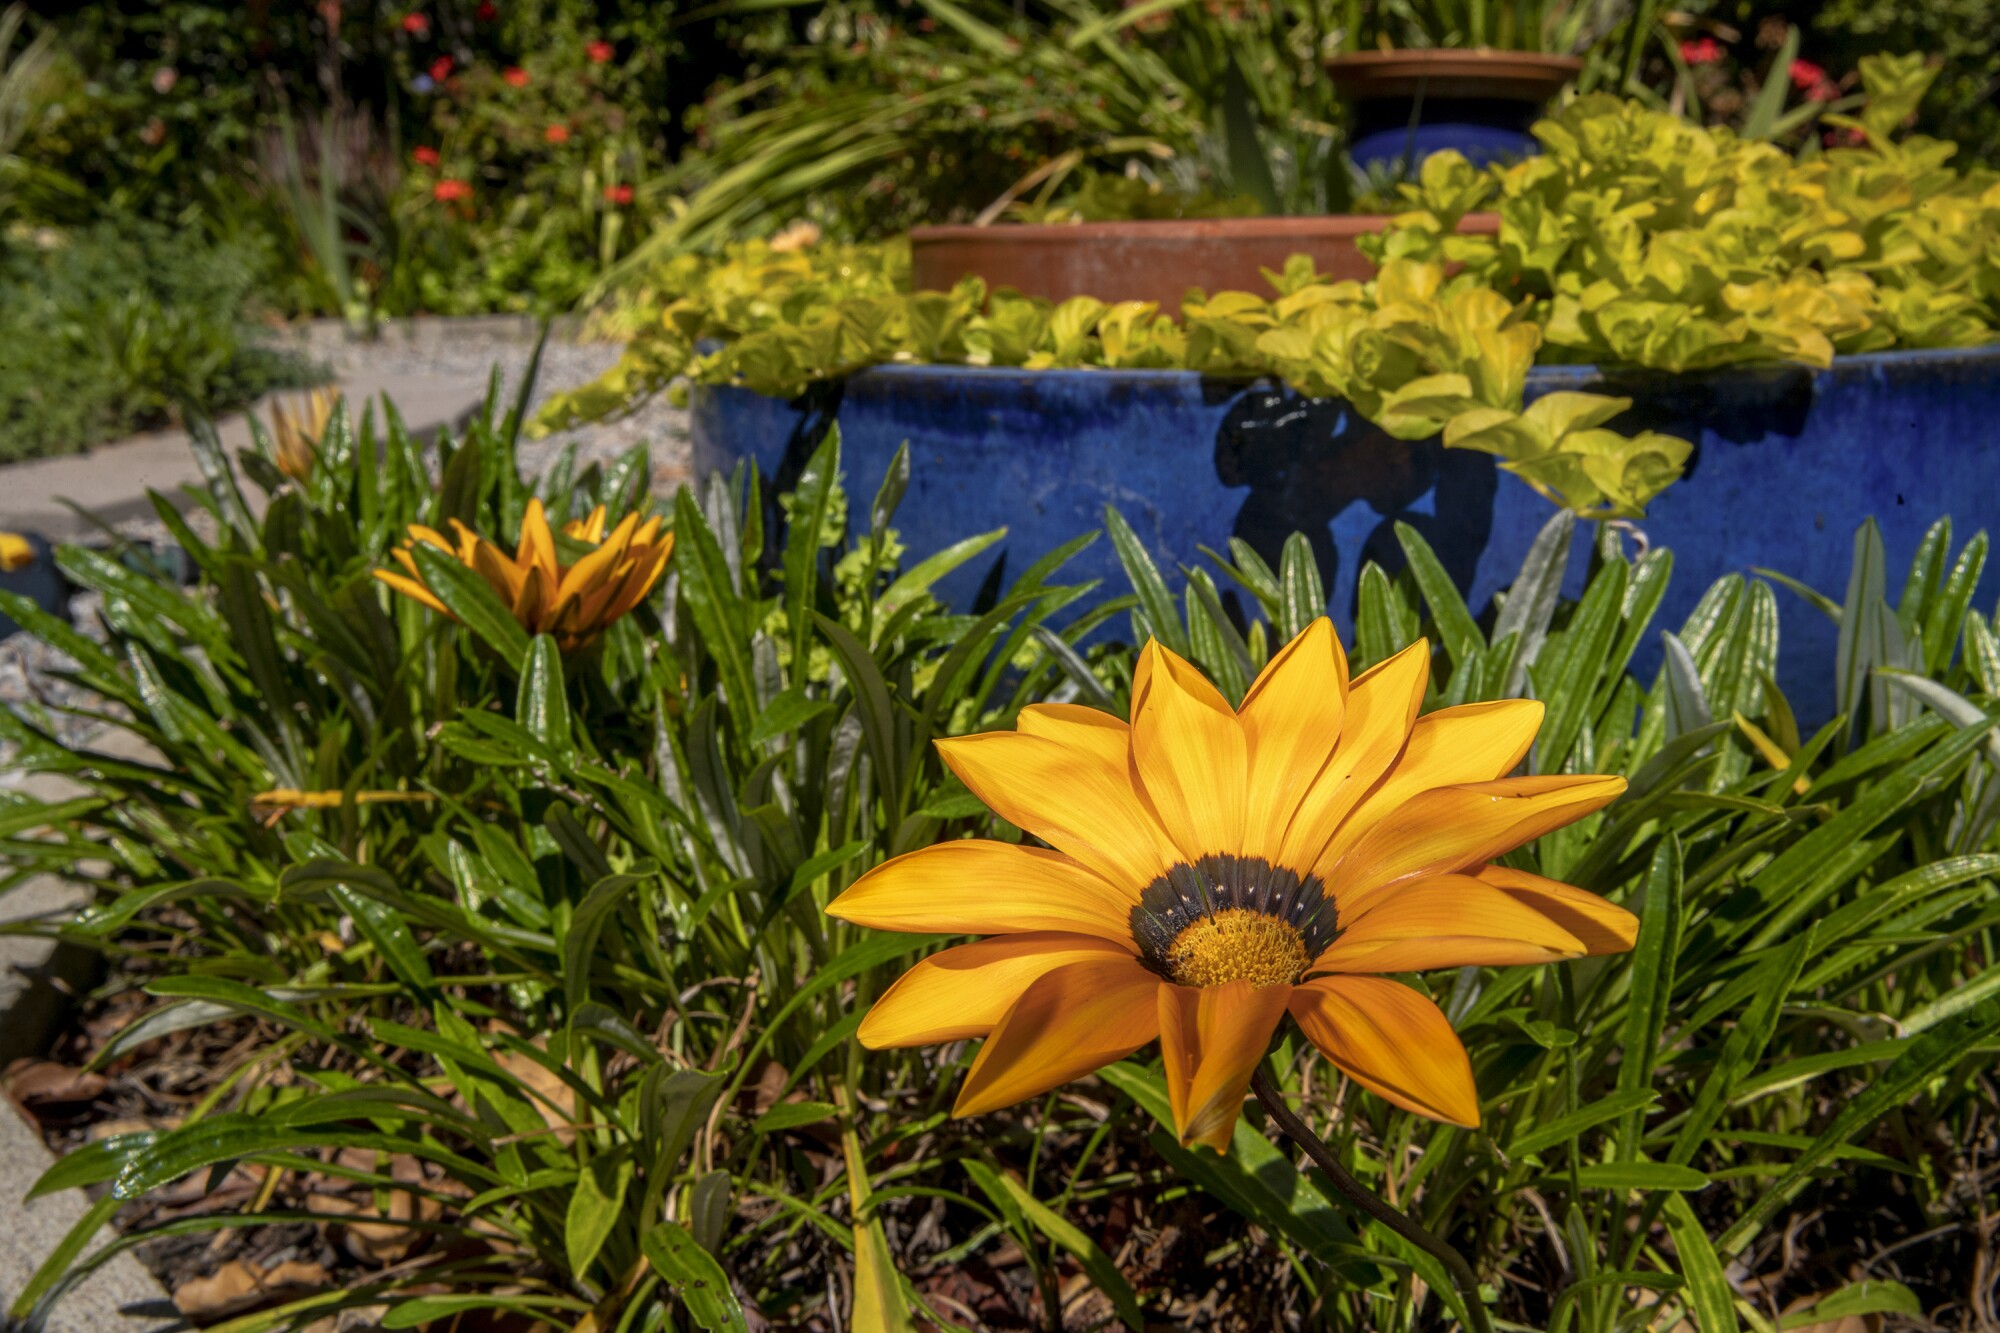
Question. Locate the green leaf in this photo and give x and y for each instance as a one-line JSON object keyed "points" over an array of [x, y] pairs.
{"points": [[1864, 625], [917, 580], [541, 704], [1652, 973], [709, 593], [871, 702], [471, 602], [818, 484], [1531, 601], [1302, 598], [1255, 1178], [1455, 625], [579, 940], [1709, 1298], [1640, 1176], [385, 928], [1065, 1233], [693, 1275], [790, 1115], [879, 1306], [1876, 1296], [785, 714], [1154, 599], [429, 1310], [594, 1208], [1565, 1127], [1922, 1058]]}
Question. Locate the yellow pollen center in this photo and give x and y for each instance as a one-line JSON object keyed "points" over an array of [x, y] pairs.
{"points": [[1237, 944]]}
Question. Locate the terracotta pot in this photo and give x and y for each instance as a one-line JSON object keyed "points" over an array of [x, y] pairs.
{"points": [[1410, 104], [1148, 261]]}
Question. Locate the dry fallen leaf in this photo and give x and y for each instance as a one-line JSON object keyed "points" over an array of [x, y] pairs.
{"points": [[543, 1086], [33, 1083], [238, 1286], [373, 1241]]}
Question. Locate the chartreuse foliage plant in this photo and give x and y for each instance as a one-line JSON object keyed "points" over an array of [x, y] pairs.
{"points": [[574, 998], [1634, 239]]}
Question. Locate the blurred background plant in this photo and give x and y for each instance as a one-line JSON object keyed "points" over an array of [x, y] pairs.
{"points": [[115, 327]]}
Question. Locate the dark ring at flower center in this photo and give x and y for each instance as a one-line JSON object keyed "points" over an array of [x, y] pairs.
{"points": [[1222, 894]]}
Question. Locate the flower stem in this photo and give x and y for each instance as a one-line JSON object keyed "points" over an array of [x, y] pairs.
{"points": [[1368, 1201]]}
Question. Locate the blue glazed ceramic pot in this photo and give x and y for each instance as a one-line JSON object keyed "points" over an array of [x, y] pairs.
{"points": [[1788, 462]]}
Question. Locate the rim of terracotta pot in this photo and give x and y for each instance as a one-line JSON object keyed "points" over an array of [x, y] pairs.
{"points": [[1515, 76], [1340, 225]]}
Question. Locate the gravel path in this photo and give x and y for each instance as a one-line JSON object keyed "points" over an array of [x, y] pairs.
{"points": [[471, 349]]}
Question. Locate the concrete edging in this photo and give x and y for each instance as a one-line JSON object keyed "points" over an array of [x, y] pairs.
{"points": [[37, 976]]}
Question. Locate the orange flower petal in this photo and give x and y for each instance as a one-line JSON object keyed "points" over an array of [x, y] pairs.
{"points": [[1070, 796], [586, 573], [1190, 754], [1453, 828], [979, 887], [1291, 721], [1068, 1023], [532, 602], [538, 544], [634, 586], [1601, 926], [1382, 705], [501, 574], [1470, 743], [1446, 921], [430, 537], [1092, 729], [1212, 1039], [1392, 1041], [963, 992], [411, 588]]}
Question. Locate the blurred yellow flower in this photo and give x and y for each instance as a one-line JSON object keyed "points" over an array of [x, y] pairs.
{"points": [[15, 552], [295, 438], [574, 603], [1214, 869]]}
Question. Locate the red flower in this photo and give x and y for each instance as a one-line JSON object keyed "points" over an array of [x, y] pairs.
{"points": [[451, 191], [487, 11], [515, 76], [441, 69], [424, 156], [1701, 51], [618, 194], [600, 52], [556, 134], [417, 25], [1806, 75]]}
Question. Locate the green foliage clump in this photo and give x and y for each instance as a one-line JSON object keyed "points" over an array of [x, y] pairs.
{"points": [[1647, 241], [117, 328], [547, 974]]}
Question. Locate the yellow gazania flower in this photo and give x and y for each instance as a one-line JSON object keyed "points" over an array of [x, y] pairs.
{"points": [[574, 603], [1215, 868], [295, 438]]}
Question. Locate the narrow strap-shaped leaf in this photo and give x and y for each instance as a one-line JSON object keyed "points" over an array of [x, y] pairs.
{"points": [[1652, 974], [1154, 599], [472, 603], [1709, 1298]]}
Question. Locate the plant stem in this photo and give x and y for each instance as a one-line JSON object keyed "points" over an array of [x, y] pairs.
{"points": [[1368, 1201]]}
